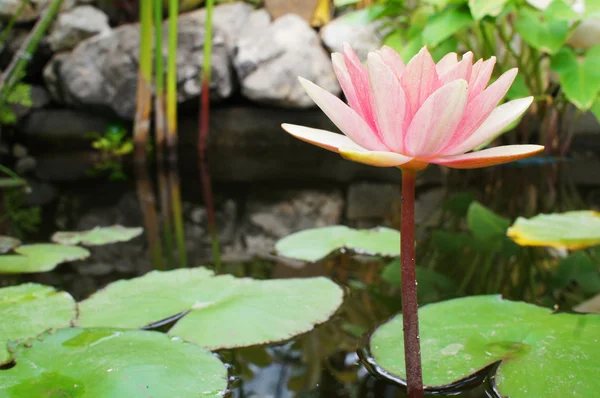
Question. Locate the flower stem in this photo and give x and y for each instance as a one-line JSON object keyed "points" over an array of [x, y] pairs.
{"points": [[410, 307]]}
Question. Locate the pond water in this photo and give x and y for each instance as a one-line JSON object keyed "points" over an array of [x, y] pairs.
{"points": [[332, 360]]}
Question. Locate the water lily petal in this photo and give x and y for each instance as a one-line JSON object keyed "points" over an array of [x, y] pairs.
{"points": [[419, 80], [375, 158], [448, 61], [341, 72], [389, 102], [480, 76], [393, 60], [344, 117], [461, 70], [438, 117], [321, 138], [489, 157], [499, 119], [480, 108], [360, 82]]}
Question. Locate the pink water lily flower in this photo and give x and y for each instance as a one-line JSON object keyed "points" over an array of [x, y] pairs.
{"points": [[412, 115]]}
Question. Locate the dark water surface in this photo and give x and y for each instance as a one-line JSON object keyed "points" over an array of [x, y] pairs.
{"points": [[332, 360]]}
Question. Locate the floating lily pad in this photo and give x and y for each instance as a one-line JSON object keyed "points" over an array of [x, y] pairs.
{"points": [[541, 354], [316, 244], [8, 243], [111, 363], [572, 230], [224, 311], [30, 309], [97, 236], [40, 258]]}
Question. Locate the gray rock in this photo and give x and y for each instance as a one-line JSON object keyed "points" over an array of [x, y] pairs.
{"points": [[19, 151], [428, 206], [268, 60], [101, 72], [25, 165], [258, 150], [229, 18], [40, 193], [63, 128], [355, 28], [31, 12], [275, 214], [74, 26], [371, 201]]}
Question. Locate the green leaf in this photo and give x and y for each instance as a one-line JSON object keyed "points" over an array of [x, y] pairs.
{"points": [[110, 363], [561, 10], [240, 312], [30, 309], [445, 24], [572, 230], [8, 243], [541, 354], [579, 78], [578, 267], [459, 204], [452, 242], [316, 244], [40, 258], [595, 109], [518, 89], [542, 34], [97, 236], [483, 8], [485, 224]]}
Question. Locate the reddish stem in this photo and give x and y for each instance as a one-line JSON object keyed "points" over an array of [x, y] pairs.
{"points": [[410, 317]]}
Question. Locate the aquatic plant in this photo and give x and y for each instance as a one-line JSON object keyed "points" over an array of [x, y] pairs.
{"points": [[141, 127], [408, 116]]}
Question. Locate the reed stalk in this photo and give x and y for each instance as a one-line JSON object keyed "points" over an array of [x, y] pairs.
{"points": [[172, 81], [6, 31], [141, 126], [159, 83]]}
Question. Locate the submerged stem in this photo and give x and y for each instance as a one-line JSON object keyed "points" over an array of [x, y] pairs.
{"points": [[410, 307]]}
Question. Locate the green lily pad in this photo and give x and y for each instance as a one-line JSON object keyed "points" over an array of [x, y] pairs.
{"points": [[97, 236], [316, 244], [240, 311], [541, 354], [8, 243], [30, 309], [111, 363], [572, 230], [40, 258]]}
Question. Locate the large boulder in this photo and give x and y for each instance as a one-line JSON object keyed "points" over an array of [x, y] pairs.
{"points": [[356, 28], [270, 56], [101, 72], [73, 26]]}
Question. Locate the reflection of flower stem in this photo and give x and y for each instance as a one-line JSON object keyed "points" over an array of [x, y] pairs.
{"points": [[165, 206], [203, 136], [148, 206], [410, 307]]}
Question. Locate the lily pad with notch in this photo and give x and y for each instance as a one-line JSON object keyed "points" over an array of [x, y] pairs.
{"points": [[538, 353], [316, 244], [40, 257], [571, 230], [239, 311], [112, 363], [97, 236], [30, 309]]}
